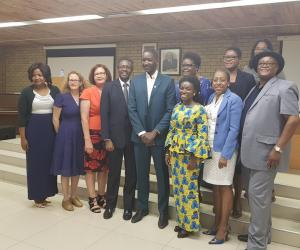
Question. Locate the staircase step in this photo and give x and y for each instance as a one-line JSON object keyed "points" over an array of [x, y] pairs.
{"points": [[13, 158], [11, 145]]}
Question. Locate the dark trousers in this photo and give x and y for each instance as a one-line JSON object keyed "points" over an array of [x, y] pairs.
{"points": [[113, 183], [142, 157]]}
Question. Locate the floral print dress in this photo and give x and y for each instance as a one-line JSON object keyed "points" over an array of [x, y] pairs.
{"points": [[188, 136]]}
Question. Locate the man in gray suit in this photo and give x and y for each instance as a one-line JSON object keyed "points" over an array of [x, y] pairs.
{"points": [[269, 120], [150, 104]]}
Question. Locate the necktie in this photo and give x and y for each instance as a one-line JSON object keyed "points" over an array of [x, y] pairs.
{"points": [[125, 91]]}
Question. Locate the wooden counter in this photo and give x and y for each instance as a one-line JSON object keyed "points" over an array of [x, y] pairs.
{"points": [[295, 152]]}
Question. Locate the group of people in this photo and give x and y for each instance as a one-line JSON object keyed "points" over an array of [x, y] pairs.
{"points": [[233, 131]]}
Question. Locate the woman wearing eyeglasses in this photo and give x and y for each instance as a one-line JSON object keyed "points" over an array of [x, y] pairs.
{"points": [[95, 163], [68, 150], [240, 83]]}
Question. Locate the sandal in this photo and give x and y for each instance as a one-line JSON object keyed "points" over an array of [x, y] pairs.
{"points": [[101, 201], [94, 207], [39, 204], [46, 202]]}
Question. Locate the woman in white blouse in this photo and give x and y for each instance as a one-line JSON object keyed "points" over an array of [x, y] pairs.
{"points": [[223, 112], [37, 133]]}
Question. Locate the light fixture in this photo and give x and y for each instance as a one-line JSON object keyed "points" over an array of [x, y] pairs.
{"points": [[13, 24], [209, 6], [69, 19]]}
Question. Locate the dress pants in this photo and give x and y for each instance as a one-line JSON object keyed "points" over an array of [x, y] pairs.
{"points": [[113, 183], [260, 188], [143, 155]]}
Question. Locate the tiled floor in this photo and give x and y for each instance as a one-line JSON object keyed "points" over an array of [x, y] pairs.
{"points": [[24, 227]]}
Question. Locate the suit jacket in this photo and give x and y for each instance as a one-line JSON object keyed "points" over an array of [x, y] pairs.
{"points": [[228, 124], [244, 83], [115, 124], [264, 123], [156, 114]]}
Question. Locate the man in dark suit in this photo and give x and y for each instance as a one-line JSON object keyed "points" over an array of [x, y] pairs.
{"points": [[150, 104], [116, 131]]}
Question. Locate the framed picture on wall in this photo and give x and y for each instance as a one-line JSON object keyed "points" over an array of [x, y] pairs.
{"points": [[149, 46], [170, 61]]}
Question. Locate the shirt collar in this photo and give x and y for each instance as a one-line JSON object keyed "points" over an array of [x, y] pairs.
{"points": [[153, 77], [128, 82]]}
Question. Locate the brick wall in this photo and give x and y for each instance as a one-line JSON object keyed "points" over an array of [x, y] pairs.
{"points": [[15, 61]]}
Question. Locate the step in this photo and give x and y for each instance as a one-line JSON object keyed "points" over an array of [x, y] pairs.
{"points": [[11, 145], [13, 158], [283, 231], [290, 206], [286, 185]]}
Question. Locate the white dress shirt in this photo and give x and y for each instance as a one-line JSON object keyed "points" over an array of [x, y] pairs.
{"points": [[150, 85]]}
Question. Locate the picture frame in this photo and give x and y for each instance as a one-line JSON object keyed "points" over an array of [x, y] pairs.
{"points": [[170, 59], [149, 46]]}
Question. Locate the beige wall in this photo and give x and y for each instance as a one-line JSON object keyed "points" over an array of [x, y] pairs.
{"points": [[14, 61]]}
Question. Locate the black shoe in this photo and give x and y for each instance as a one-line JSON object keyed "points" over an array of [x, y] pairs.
{"points": [[127, 214], [139, 216], [243, 237], [163, 221], [183, 234], [108, 213]]}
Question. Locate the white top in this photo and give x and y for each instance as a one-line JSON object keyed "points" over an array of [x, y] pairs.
{"points": [[150, 83], [42, 104], [150, 86], [212, 114]]}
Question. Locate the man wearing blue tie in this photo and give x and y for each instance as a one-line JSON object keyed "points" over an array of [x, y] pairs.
{"points": [[150, 104]]}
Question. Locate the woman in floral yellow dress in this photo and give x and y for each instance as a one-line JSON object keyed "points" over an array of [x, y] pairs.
{"points": [[187, 146]]}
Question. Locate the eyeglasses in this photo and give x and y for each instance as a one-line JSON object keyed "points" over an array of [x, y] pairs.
{"points": [[229, 58], [101, 73], [188, 65], [73, 80], [266, 64]]}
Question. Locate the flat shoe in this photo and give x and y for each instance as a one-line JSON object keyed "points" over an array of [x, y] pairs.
{"points": [[76, 202], [67, 205], [183, 234]]}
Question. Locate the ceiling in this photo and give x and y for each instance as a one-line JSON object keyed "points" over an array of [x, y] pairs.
{"points": [[271, 19]]}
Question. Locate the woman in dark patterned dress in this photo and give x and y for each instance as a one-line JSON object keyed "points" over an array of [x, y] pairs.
{"points": [[95, 163]]}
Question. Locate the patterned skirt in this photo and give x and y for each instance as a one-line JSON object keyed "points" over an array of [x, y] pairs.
{"points": [[186, 194], [97, 161]]}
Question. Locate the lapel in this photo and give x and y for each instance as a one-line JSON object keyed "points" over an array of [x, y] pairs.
{"points": [[268, 85], [224, 101], [143, 86], [119, 89], [155, 87]]}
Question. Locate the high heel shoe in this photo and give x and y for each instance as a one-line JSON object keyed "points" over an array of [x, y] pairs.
{"points": [[215, 241], [210, 232]]}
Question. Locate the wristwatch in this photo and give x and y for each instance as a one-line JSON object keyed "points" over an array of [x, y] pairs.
{"points": [[278, 149]]}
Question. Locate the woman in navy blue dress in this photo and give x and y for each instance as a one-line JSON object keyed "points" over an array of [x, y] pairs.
{"points": [[37, 133], [68, 150]]}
